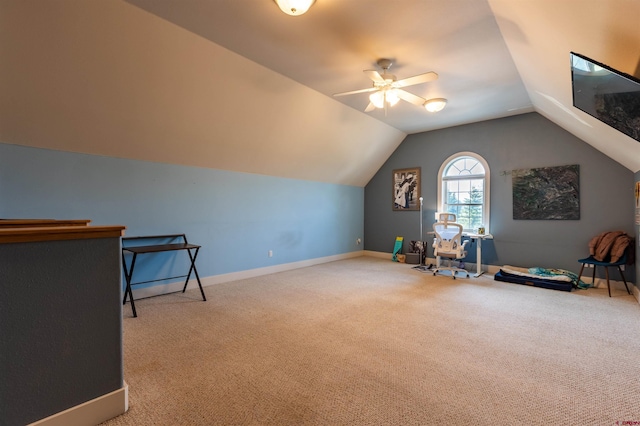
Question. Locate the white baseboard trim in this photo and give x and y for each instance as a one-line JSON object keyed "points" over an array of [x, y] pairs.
{"points": [[378, 254], [471, 267], [158, 290], [92, 412], [615, 285], [251, 273]]}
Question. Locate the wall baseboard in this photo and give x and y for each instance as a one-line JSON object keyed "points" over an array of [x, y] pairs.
{"points": [[159, 290], [251, 273], [92, 412], [616, 285], [489, 269], [378, 254]]}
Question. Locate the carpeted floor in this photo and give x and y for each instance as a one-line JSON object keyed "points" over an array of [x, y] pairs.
{"points": [[368, 341]]}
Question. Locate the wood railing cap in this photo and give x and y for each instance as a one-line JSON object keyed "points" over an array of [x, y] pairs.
{"points": [[55, 233], [21, 223]]}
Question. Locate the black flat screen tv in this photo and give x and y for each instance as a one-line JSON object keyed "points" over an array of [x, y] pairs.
{"points": [[611, 96]]}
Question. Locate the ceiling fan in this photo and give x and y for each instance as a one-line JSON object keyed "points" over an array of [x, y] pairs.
{"points": [[387, 90]]}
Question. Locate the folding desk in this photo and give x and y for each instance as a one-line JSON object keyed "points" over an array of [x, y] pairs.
{"points": [[191, 249]]}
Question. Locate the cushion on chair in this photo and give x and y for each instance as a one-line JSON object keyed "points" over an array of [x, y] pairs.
{"points": [[609, 245]]}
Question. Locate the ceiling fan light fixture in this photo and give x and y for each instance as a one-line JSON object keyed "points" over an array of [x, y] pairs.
{"points": [[388, 96], [377, 99], [294, 7], [392, 97], [435, 104]]}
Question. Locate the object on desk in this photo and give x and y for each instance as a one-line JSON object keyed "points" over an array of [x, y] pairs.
{"points": [[191, 249], [481, 230], [448, 244]]}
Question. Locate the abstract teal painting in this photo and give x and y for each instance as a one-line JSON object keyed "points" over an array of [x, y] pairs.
{"points": [[546, 193]]}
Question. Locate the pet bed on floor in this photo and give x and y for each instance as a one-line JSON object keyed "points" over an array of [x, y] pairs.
{"points": [[554, 279]]}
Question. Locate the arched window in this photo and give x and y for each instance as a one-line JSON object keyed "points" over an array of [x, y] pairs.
{"points": [[463, 189]]}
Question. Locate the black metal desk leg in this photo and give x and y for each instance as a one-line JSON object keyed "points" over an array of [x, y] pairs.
{"points": [[127, 276], [193, 268]]}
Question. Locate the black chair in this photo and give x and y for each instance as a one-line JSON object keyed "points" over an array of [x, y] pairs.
{"points": [[607, 264]]}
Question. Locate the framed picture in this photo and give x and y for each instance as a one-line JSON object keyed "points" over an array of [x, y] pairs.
{"points": [[546, 193], [406, 189]]}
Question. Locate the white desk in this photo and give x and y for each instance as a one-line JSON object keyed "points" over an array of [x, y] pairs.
{"points": [[479, 238]]}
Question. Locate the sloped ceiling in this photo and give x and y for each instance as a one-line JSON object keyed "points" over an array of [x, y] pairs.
{"points": [[541, 33], [328, 48], [105, 77], [238, 85], [494, 58]]}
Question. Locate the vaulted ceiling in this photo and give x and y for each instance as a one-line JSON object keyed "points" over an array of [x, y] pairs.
{"points": [[239, 85]]}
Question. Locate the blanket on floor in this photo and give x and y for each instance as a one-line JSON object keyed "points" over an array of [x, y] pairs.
{"points": [[547, 273]]}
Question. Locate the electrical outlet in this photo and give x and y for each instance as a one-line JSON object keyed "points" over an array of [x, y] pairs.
{"points": [[270, 253], [358, 241]]}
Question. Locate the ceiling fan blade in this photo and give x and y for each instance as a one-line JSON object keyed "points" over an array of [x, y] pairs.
{"points": [[410, 97], [353, 92], [374, 75], [370, 107], [417, 79]]}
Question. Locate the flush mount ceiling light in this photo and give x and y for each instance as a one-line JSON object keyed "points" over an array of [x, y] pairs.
{"points": [[294, 7], [435, 104]]}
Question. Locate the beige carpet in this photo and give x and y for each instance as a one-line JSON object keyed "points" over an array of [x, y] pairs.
{"points": [[368, 341]]}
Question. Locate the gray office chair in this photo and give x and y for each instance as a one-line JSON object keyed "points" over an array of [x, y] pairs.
{"points": [[448, 244]]}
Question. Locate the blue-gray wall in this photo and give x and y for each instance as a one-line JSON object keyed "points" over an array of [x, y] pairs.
{"points": [[518, 142], [236, 217]]}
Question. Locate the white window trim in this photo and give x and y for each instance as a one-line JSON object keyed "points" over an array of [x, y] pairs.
{"points": [[486, 214]]}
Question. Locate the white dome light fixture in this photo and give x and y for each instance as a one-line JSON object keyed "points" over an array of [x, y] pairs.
{"points": [[294, 7], [435, 104]]}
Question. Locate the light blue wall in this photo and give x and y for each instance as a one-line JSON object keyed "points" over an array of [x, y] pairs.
{"points": [[518, 142], [236, 217]]}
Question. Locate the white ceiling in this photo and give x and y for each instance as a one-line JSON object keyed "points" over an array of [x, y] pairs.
{"points": [[494, 58], [328, 48], [238, 85]]}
